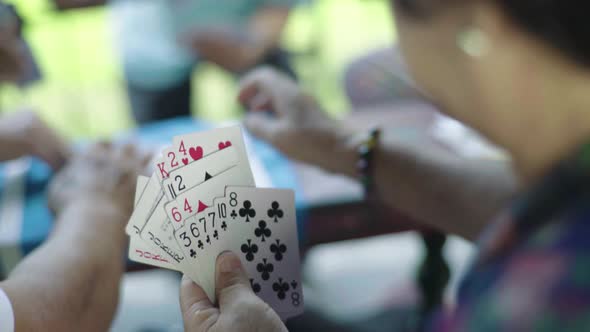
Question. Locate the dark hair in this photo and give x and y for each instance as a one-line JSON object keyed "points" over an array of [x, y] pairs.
{"points": [[563, 24]]}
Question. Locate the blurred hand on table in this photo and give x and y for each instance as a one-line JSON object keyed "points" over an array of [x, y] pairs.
{"points": [[104, 172]]}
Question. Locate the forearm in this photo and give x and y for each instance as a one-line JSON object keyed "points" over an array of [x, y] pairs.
{"points": [[71, 283], [432, 185], [10, 148]]}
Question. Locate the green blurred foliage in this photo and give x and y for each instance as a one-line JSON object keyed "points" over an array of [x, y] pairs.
{"points": [[82, 91]]}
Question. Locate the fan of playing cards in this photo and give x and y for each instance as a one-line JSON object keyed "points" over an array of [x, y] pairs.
{"points": [[202, 201]]}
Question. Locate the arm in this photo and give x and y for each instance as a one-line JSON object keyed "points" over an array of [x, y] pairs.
{"points": [[427, 183], [238, 53], [457, 195], [71, 283], [24, 133]]}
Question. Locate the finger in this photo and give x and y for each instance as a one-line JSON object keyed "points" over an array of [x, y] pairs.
{"points": [[231, 281], [262, 126], [198, 312], [51, 157], [99, 149], [258, 85]]}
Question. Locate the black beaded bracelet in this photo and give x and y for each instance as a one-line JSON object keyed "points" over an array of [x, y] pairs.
{"points": [[366, 163]]}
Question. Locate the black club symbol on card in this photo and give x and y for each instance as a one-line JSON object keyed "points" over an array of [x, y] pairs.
{"points": [[249, 249], [200, 245], [278, 249], [247, 211], [193, 253], [216, 235], [281, 288], [275, 211], [224, 226], [262, 231], [294, 284], [233, 214], [255, 286], [208, 239], [265, 269]]}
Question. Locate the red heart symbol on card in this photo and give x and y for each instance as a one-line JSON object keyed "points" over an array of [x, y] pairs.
{"points": [[185, 161], [223, 145], [201, 207], [196, 153]]}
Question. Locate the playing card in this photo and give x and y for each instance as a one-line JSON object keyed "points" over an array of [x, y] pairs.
{"points": [[186, 177], [157, 232], [197, 145], [196, 232], [260, 226], [144, 207], [138, 250], [166, 164], [200, 197]]}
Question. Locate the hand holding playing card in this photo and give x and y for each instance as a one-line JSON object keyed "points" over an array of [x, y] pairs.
{"points": [[239, 308], [102, 172], [182, 221], [298, 126]]}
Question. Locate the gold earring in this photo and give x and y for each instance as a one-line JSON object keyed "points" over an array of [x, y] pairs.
{"points": [[473, 42]]}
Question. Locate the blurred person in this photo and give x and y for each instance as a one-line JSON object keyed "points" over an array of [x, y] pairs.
{"points": [[516, 71], [71, 282], [23, 132], [159, 58]]}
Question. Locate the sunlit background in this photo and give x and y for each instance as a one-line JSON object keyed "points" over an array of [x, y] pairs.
{"points": [[82, 90]]}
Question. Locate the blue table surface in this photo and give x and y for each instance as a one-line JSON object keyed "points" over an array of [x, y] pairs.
{"points": [[37, 220]]}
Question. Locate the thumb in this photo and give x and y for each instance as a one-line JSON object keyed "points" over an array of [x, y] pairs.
{"points": [[232, 283], [263, 126], [195, 306]]}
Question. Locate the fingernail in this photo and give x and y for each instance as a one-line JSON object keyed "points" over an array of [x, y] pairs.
{"points": [[228, 262]]}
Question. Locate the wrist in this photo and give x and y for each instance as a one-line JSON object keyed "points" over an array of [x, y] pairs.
{"points": [[95, 209], [338, 153]]}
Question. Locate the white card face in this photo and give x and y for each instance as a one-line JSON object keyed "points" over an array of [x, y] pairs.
{"points": [[157, 233], [187, 177], [139, 251], [262, 230], [164, 165], [195, 146], [194, 233], [201, 196], [144, 207]]}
